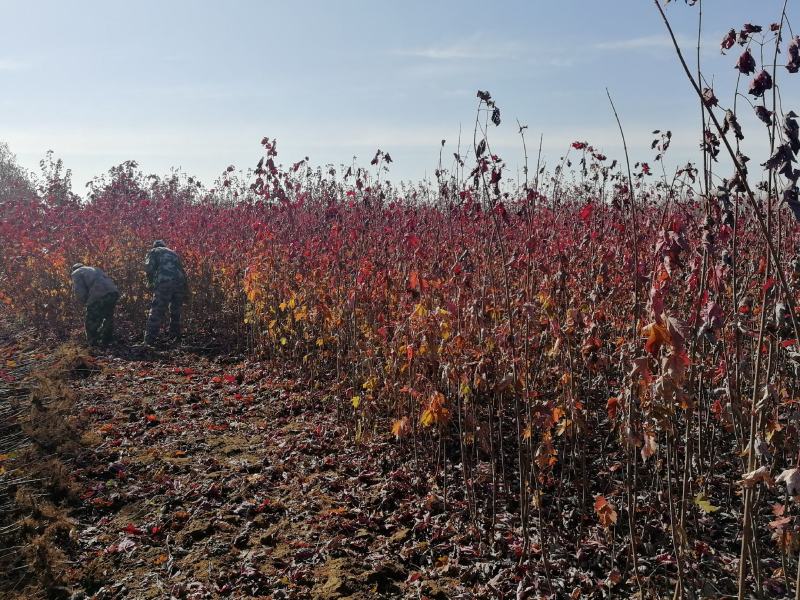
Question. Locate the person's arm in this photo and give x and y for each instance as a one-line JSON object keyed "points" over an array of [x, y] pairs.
{"points": [[180, 267], [185, 279], [79, 288]]}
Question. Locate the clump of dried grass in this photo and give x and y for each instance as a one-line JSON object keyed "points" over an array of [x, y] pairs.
{"points": [[43, 534]]}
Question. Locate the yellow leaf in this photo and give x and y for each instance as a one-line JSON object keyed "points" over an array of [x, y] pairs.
{"points": [[356, 401], [283, 341], [545, 301], [435, 412], [704, 505]]}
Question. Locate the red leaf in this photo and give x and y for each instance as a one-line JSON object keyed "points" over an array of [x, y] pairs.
{"points": [[414, 285], [132, 529], [611, 407]]}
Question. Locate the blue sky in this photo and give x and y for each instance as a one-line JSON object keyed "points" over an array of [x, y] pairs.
{"points": [[196, 84]]}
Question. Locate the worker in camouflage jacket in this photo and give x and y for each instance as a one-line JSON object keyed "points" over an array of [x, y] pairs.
{"points": [[98, 292], [167, 279]]}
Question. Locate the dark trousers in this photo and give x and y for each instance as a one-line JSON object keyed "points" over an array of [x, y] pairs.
{"points": [[100, 319], [168, 296]]}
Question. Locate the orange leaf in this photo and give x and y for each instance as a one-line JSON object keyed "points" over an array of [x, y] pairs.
{"points": [[400, 427], [414, 283], [606, 513], [435, 412], [657, 335]]}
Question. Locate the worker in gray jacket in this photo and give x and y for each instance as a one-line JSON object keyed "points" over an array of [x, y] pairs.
{"points": [[98, 292], [167, 279]]}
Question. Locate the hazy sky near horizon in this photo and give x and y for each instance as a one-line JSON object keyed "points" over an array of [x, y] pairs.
{"points": [[197, 84]]}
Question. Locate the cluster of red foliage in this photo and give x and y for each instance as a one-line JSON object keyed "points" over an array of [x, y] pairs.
{"points": [[514, 311], [43, 236]]}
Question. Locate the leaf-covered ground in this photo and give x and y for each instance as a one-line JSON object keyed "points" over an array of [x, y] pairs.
{"points": [[163, 475], [194, 478]]}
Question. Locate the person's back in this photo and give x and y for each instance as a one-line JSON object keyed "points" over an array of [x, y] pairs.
{"points": [[90, 284], [163, 264]]}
